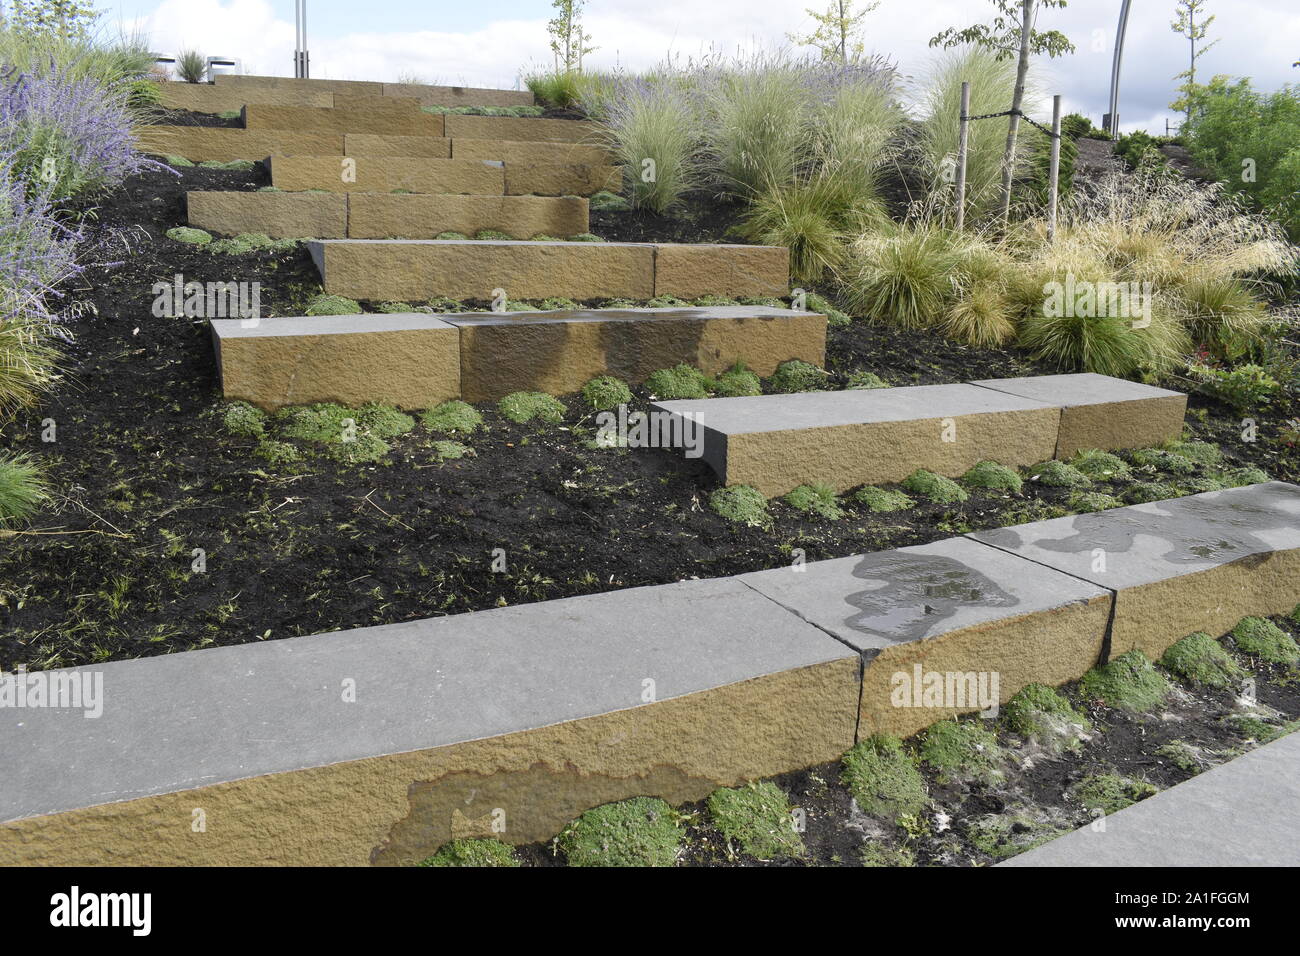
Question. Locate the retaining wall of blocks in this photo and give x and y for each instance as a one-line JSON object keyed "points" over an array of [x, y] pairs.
{"points": [[394, 121], [236, 92], [555, 154], [530, 715], [382, 174], [202, 143], [278, 215], [415, 270], [872, 436]]}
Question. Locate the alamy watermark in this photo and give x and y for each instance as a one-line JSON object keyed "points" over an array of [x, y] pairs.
{"points": [[54, 690], [207, 300], [951, 690], [653, 429], [1084, 299]]}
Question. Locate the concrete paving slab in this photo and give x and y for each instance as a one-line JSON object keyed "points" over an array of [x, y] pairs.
{"points": [[379, 744], [558, 352], [1199, 563], [1241, 813], [1098, 411], [410, 360], [278, 215], [953, 607], [406, 216], [849, 438], [384, 174]]}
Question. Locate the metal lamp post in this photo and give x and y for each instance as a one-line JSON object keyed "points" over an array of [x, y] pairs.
{"points": [[1115, 68], [301, 58]]}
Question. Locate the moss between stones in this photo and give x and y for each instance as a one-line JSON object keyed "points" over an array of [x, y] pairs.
{"points": [[741, 504], [557, 305], [1093, 501], [524, 407], [492, 235], [935, 487], [818, 499], [797, 376], [1109, 792], [606, 201], [453, 416], [738, 381], [680, 381], [643, 831], [961, 750], [991, 475], [884, 779], [586, 237], [449, 236], [473, 853], [325, 304], [758, 817], [244, 420], [865, 380], [1200, 659], [834, 317], [1059, 474], [1129, 682], [665, 302], [230, 165], [193, 237], [394, 308], [1039, 712], [712, 301], [1162, 460], [606, 392], [1262, 638], [882, 500], [1100, 465]]}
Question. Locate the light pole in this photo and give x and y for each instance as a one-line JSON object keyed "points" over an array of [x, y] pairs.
{"points": [[301, 58], [1114, 69]]}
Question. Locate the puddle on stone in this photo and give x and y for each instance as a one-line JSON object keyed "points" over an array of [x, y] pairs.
{"points": [[919, 592]]}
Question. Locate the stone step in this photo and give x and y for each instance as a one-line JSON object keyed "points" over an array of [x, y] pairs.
{"points": [[954, 607], [278, 215], [1199, 563], [385, 216], [384, 174], [524, 715], [394, 122], [868, 436], [201, 143], [408, 360], [416, 270], [1235, 814], [559, 154], [374, 145], [521, 129], [224, 95], [1098, 411], [208, 98], [559, 352]]}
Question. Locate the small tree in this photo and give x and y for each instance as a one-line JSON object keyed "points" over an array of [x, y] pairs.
{"points": [[838, 35], [1011, 34], [1193, 24], [568, 41], [69, 19]]}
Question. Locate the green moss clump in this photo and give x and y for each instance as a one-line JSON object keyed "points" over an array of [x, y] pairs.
{"points": [[879, 854], [865, 380], [325, 304], [543, 237], [1181, 754], [1201, 659], [797, 376], [1196, 486], [493, 235], [741, 504], [1039, 711], [834, 317], [248, 242], [680, 381], [394, 308], [1129, 682], [445, 450], [244, 420], [452, 236], [818, 499], [1201, 452], [666, 302], [1093, 501], [1240, 477], [738, 381], [1262, 638], [1101, 465], [193, 237], [881, 500], [712, 301], [473, 853], [606, 201], [384, 420], [323, 422], [586, 237], [179, 162], [558, 305], [961, 750], [991, 475], [453, 416], [643, 831], [1109, 792], [1141, 492], [365, 448], [1005, 835], [277, 452], [935, 487], [1161, 460], [757, 817], [884, 779], [524, 407], [229, 165], [1059, 474], [606, 392]]}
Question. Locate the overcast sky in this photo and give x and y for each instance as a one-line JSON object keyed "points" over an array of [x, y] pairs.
{"points": [[488, 43]]}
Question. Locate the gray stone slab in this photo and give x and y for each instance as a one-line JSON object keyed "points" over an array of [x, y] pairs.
{"points": [[199, 718], [282, 326], [876, 600], [1241, 813], [1068, 391]]}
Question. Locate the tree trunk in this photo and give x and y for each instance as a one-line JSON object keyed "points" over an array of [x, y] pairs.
{"points": [[1017, 99]]}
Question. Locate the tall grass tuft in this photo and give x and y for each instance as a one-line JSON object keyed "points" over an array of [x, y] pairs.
{"points": [[904, 274], [22, 488], [191, 66], [559, 88], [650, 125]]}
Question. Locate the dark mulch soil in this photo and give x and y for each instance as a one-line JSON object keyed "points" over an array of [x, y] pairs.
{"points": [[144, 474], [1036, 788]]}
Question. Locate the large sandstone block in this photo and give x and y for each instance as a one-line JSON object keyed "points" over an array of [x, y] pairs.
{"points": [[541, 179], [692, 271], [388, 122], [520, 129], [559, 352], [371, 102], [285, 84], [385, 174], [278, 215], [1199, 563], [525, 715], [408, 360], [199, 143], [417, 270], [459, 95], [946, 628], [850, 438], [386, 216], [1098, 411], [373, 145], [207, 98], [532, 154]]}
